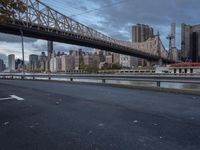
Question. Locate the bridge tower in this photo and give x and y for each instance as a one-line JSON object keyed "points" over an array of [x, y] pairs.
{"points": [[160, 62]]}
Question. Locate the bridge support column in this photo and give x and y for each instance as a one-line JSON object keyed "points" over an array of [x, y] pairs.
{"points": [[103, 81]]}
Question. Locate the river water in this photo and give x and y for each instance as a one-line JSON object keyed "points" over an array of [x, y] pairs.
{"points": [[187, 86]]}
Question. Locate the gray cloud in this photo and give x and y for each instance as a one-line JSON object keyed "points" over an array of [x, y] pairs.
{"points": [[160, 12], [116, 21], [157, 13]]}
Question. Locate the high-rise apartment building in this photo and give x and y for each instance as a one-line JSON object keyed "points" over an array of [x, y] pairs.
{"points": [[96, 60], [116, 58], [55, 64], [33, 60], [11, 62], [2, 66], [190, 43], [42, 62], [50, 48], [109, 59], [126, 61], [67, 62], [88, 60], [141, 33], [78, 59], [174, 51]]}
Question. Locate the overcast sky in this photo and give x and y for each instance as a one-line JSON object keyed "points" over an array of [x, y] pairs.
{"points": [[113, 18]]}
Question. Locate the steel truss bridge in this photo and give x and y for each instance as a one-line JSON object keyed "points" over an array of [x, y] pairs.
{"points": [[41, 21]]}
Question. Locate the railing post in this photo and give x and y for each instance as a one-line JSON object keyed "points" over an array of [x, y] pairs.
{"points": [[103, 81], [71, 79], [33, 77], [49, 77], [158, 83]]}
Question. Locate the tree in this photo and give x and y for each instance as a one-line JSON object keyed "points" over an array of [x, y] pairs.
{"points": [[8, 9], [92, 69], [116, 66]]}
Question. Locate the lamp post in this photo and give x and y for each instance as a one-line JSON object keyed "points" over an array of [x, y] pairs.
{"points": [[22, 38]]}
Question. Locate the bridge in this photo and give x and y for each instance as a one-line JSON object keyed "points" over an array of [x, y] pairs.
{"points": [[43, 22]]}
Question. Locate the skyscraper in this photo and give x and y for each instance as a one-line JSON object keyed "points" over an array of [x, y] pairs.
{"points": [[42, 62], [33, 60], [173, 54], [50, 48], [141, 33], [2, 66], [190, 43], [173, 34], [11, 62]]}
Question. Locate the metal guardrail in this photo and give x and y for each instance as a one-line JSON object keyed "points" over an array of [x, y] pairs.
{"points": [[158, 79]]}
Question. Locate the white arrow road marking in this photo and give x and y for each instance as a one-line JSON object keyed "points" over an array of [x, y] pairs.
{"points": [[16, 97], [12, 97], [3, 99]]}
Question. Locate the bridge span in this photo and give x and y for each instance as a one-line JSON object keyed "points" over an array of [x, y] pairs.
{"points": [[41, 21]]}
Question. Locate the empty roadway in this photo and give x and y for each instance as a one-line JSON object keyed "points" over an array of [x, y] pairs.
{"points": [[76, 116]]}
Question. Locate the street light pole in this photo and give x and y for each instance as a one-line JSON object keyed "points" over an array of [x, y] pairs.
{"points": [[22, 38]]}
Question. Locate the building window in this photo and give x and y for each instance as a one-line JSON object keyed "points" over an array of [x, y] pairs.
{"points": [[185, 70], [175, 71], [179, 70], [191, 70]]}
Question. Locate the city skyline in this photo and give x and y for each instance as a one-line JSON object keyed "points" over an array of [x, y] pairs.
{"points": [[75, 60], [119, 28], [99, 75]]}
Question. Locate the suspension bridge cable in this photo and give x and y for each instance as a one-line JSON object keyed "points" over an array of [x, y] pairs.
{"points": [[97, 9]]}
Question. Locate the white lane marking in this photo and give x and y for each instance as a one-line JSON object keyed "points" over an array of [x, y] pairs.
{"points": [[16, 97], [12, 97], [3, 99]]}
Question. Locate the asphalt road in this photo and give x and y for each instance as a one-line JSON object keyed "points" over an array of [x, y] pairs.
{"points": [[65, 116]]}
